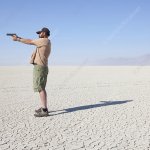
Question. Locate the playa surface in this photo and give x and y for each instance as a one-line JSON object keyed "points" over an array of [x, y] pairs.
{"points": [[90, 108]]}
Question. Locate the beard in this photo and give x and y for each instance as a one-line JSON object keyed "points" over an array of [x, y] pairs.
{"points": [[41, 36]]}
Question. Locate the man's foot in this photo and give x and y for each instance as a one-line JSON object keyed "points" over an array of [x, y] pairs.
{"points": [[41, 113], [39, 110]]}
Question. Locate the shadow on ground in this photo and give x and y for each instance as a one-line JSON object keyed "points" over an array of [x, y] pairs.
{"points": [[102, 104]]}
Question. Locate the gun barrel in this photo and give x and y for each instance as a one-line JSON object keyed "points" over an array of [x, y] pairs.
{"points": [[11, 34]]}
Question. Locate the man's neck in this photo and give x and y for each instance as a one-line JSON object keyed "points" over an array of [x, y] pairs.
{"points": [[44, 37]]}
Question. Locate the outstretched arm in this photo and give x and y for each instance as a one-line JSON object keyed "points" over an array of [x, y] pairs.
{"points": [[25, 41]]}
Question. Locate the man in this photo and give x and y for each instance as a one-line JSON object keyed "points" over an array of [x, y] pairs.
{"points": [[40, 70]]}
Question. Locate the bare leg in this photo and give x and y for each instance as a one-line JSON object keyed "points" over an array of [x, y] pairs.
{"points": [[43, 97]]}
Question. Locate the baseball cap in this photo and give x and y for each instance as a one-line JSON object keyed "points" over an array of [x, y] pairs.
{"points": [[46, 30]]}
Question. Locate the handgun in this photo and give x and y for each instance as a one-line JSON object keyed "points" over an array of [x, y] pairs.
{"points": [[11, 34]]}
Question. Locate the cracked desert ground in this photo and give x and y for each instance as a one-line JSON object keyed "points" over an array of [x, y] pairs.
{"points": [[90, 108]]}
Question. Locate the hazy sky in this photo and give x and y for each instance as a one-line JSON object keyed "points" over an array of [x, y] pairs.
{"points": [[81, 30]]}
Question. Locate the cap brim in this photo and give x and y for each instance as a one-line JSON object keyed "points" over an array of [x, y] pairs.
{"points": [[38, 32]]}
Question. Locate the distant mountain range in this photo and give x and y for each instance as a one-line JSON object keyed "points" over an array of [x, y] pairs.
{"points": [[135, 61], [111, 61]]}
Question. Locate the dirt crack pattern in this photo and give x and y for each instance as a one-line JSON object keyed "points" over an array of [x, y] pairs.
{"points": [[99, 108]]}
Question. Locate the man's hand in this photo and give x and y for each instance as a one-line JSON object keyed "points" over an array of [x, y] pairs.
{"points": [[14, 37]]}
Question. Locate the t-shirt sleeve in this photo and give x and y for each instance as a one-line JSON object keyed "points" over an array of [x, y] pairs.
{"points": [[37, 42]]}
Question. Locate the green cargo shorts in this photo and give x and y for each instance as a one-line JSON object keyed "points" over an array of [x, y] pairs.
{"points": [[39, 77]]}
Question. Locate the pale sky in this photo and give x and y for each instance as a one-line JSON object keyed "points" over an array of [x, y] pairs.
{"points": [[81, 30]]}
